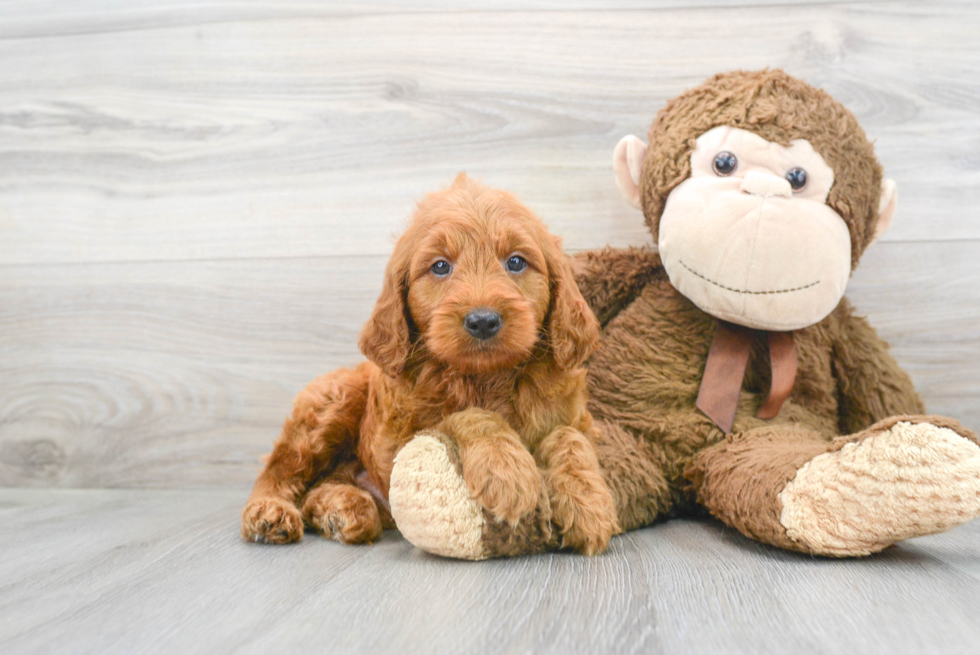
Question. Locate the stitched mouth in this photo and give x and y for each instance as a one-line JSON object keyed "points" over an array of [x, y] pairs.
{"points": [[746, 291]]}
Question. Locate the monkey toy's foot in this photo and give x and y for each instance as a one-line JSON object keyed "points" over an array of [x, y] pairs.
{"points": [[433, 508], [904, 477]]}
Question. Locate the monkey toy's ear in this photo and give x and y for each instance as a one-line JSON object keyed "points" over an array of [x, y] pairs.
{"points": [[627, 163], [886, 208]]}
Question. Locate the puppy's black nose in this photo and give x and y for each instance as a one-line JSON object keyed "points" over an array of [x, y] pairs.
{"points": [[482, 323]]}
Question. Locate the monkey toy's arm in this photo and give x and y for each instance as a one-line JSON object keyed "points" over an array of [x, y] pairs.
{"points": [[871, 385], [611, 278]]}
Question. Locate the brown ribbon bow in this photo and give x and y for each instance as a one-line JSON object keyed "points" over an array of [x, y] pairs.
{"points": [[723, 374]]}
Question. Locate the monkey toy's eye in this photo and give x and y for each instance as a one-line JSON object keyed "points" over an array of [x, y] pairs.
{"points": [[516, 264], [724, 164], [441, 268], [796, 178]]}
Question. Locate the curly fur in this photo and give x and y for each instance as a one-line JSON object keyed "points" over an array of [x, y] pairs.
{"points": [[501, 399]]}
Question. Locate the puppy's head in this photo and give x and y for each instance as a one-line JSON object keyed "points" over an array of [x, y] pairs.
{"points": [[477, 282]]}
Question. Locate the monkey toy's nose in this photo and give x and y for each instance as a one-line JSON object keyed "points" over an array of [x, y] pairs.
{"points": [[482, 323], [766, 185]]}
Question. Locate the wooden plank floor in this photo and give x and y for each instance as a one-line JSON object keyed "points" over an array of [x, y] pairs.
{"points": [[165, 572]]}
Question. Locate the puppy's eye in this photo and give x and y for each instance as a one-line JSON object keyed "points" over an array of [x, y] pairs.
{"points": [[441, 268], [796, 178], [724, 164], [516, 264]]}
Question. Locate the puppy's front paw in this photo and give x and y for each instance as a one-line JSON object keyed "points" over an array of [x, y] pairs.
{"points": [[583, 508], [271, 520], [344, 513], [502, 477]]}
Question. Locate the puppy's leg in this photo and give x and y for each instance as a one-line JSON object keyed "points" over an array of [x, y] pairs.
{"points": [[581, 503], [325, 420], [499, 471]]}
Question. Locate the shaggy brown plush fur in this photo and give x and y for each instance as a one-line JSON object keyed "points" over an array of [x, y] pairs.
{"points": [[501, 399], [646, 375]]}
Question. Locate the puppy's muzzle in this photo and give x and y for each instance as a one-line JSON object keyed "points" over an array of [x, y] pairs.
{"points": [[482, 323]]}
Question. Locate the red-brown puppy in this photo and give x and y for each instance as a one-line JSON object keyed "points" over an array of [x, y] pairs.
{"points": [[479, 332]]}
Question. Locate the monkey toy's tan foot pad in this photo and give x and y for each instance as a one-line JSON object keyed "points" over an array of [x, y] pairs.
{"points": [[430, 502], [433, 509], [899, 479]]}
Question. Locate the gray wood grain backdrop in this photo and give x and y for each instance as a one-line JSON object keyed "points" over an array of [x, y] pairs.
{"points": [[197, 199]]}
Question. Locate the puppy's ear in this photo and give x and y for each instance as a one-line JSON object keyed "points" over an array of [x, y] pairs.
{"points": [[573, 330], [385, 337]]}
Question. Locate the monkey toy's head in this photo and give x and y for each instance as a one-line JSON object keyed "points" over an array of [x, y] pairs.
{"points": [[761, 193]]}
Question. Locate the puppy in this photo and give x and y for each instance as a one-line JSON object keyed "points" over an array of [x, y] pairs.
{"points": [[479, 333]]}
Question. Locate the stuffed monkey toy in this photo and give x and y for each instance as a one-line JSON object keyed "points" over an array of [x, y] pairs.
{"points": [[733, 374]]}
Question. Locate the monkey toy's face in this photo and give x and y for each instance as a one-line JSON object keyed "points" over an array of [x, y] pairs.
{"points": [[749, 237]]}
